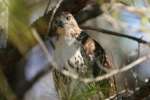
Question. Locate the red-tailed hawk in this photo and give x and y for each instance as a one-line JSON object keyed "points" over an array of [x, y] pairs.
{"points": [[87, 54]]}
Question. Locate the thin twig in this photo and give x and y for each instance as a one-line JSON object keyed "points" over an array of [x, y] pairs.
{"points": [[119, 93], [42, 45], [106, 76], [53, 14], [138, 94], [104, 31], [47, 7], [117, 71], [28, 84]]}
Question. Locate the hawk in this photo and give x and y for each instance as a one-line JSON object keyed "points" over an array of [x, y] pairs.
{"points": [[87, 54], [79, 53]]}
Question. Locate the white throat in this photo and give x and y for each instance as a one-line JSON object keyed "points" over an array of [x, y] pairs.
{"points": [[69, 40]]}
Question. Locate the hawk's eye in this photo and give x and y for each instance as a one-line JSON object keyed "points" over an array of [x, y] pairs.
{"points": [[68, 18]]}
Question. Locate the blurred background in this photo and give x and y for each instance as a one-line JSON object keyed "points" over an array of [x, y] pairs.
{"points": [[22, 59]]}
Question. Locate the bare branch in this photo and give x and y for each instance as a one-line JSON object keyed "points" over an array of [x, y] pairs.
{"points": [[47, 7], [117, 71], [108, 32], [26, 85], [53, 14], [140, 93], [110, 74]]}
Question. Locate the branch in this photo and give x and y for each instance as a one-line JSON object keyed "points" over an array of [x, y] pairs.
{"points": [[111, 73], [140, 93], [47, 7], [26, 85], [102, 77], [53, 14], [108, 32]]}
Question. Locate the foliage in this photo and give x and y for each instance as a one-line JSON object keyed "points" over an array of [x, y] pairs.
{"points": [[21, 38]]}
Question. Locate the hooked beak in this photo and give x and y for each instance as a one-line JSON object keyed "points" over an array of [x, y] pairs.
{"points": [[59, 23]]}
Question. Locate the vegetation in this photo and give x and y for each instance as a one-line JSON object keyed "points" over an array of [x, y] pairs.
{"points": [[120, 26]]}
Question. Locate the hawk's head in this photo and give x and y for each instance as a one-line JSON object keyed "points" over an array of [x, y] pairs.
{"points": [[66, 25]]}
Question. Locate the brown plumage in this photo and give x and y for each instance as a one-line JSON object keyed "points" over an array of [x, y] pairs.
{"points": [[89, 51]]}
